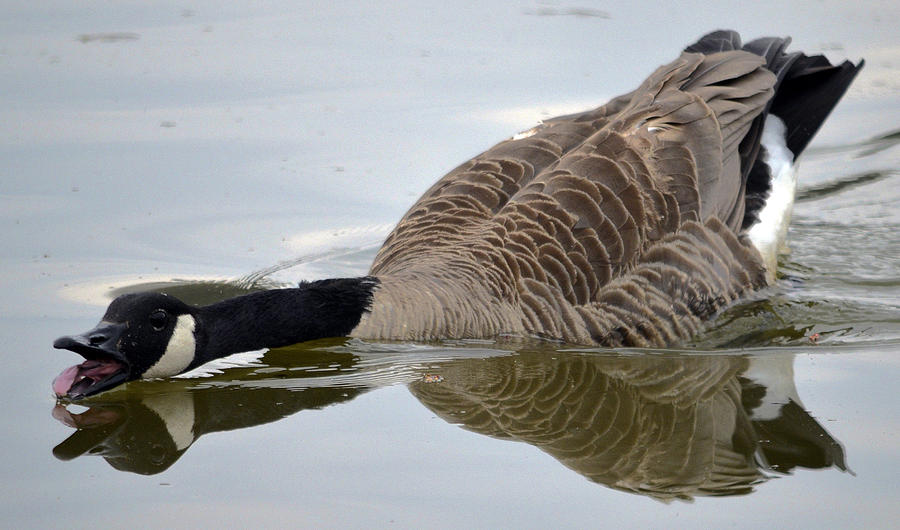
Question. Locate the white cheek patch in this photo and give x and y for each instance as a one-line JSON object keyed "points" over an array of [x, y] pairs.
{"points": [[179, 352]]}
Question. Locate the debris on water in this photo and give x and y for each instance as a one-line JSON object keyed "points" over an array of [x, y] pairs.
{"points": [[107, 37]]}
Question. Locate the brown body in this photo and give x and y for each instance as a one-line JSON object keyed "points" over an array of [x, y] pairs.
{"points": [[617, 226]]}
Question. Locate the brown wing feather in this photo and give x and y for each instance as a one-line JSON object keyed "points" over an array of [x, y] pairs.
{"points": [[612, 226]]}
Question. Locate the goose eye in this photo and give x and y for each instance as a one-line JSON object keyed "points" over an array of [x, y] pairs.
{"points": [[158, 319]]}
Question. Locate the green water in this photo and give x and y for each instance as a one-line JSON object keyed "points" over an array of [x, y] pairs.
{"points": [[208, 150]]}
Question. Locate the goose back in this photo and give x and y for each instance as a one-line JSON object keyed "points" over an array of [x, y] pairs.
{"points": [[616, 226]]}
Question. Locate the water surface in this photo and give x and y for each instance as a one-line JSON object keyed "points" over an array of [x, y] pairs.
{"points": [[208, 150]]}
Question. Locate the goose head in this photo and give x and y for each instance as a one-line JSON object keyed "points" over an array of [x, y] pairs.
{"points": [[143, 335], [153, 335]]}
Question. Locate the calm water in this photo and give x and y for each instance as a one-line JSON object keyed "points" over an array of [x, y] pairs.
{"points": [[208, 150]]}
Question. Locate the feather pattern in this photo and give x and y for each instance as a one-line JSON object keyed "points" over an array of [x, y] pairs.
{"points": [[616, 226], [667, 428], [626, 225], [663, 426]]}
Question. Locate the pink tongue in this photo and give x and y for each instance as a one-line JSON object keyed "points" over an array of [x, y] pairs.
{"points": [[64, 381], [93, 369], [97, 370]]}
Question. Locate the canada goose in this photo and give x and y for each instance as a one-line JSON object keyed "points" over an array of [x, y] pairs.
{"points": [[628, 225]]}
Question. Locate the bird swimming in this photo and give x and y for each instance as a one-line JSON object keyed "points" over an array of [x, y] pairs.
{"points": [[626, 225]]}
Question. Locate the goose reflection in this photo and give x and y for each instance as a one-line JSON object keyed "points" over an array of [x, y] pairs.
{"points": [[664, 426], [147, 436], [150, 427]]}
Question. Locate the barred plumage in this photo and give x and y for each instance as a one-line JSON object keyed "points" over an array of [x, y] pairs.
{"points": [[619, 226]]}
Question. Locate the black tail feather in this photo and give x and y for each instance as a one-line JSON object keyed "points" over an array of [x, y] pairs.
{"points": [[721, 40], [807, 88], [810, 90]]}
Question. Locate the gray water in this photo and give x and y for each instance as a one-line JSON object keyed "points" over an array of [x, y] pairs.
{"points": [[207, 150]]}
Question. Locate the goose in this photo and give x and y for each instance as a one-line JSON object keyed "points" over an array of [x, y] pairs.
{"points": [[628, 225]]}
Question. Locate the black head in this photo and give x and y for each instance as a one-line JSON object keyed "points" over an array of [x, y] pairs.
{"points": [[152, 335], [141, 335]]}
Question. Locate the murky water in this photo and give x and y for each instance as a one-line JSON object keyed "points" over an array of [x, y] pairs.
{"points": [[208, 150]]}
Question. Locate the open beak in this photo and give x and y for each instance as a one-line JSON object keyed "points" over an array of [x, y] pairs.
{"points": [[104, 367]]}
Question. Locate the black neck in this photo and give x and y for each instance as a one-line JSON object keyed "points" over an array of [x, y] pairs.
{"points": [[280, 317]]}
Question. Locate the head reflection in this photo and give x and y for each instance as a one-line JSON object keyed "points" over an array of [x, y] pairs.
{"points": [[129, 436], [147, 433]]}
